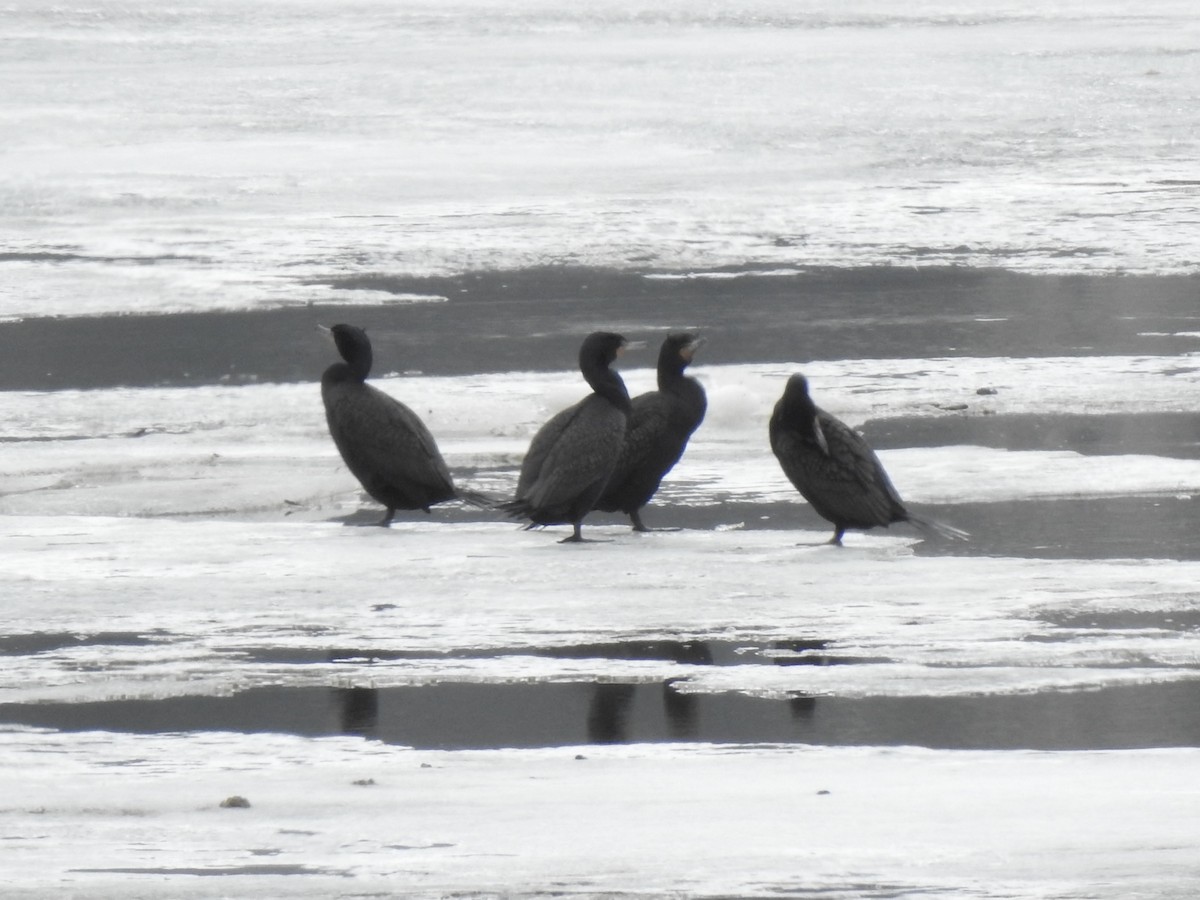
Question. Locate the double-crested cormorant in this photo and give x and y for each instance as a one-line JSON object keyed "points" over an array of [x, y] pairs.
{"points": [[572, 456], [385, 445], [835, 470], [659, 428]]}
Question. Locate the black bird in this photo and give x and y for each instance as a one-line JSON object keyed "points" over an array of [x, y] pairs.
{"points": [[384, 443], [835, 470], [572, 456], [660, 425]]}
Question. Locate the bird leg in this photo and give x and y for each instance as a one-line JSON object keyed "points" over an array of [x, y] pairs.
{"points": [[836, 540], [576, 537], [386, 521], [641, 527]]}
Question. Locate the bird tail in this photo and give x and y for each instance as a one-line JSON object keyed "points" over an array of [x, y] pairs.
{"points": [[520, 509], [516, 509], [478, 499], [941, 529]]}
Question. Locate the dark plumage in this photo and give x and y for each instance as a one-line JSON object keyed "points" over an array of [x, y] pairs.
{"points": [[385, 445], [660, 425], [834, 469], [572, 456]]}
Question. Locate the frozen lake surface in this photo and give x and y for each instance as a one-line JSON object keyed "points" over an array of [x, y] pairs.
{"points": [[973, 228], [231, 155]]}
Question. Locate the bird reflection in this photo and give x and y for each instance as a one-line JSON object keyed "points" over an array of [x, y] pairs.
{"points": [[608, 713], [681, 710], [358, 710], [802, 706]]}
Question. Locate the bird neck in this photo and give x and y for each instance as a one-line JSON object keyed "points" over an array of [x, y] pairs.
{"points": [[337, 374], [689, 391], [609, 385], [355, 349], [358, 366], [670, 372], [800, 408]]}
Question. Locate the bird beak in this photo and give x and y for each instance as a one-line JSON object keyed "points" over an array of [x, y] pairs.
{"points": [[690, 350], [631, 345]]}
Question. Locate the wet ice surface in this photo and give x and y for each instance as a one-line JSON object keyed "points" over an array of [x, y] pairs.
{"points": [[232, 498], [205, 598]]}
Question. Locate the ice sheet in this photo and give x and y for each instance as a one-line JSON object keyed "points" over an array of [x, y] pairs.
{"points": [[116, 816], [231, 156], [210, 593]]}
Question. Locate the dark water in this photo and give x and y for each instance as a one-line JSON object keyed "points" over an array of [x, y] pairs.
{"points": [[1121, 527], [498, 715], [485, 715], [1174, 435], [533, 319]]}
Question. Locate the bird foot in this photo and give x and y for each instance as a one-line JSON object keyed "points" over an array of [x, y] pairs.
{"points": [[829, 543]]}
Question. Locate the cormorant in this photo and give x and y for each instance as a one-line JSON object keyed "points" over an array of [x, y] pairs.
{"points": [[835, 470], [385, 445], [572, 456], [658, 431]]}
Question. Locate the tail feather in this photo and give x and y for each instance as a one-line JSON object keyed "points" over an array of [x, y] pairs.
{"points": [[941, 529], [516, 509], [520, 509], [477, 499]]}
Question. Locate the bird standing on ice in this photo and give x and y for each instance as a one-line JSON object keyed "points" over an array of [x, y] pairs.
{"points": [[572, 456], [383, 442], [660, 425], [835, 470]]}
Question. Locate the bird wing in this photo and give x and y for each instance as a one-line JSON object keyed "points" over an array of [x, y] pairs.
{"points": [[854, 483], [836, 471], [541, 445], [384, 441], [689, 406], [645, 434], [584, 449]]}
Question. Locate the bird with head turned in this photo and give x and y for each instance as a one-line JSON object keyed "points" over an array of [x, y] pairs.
{"points": [[572, 456], [384, 444], [835, 470]]}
